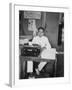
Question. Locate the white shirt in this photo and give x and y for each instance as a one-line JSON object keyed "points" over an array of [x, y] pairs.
{"points": [[46, 54], [42, 41]]}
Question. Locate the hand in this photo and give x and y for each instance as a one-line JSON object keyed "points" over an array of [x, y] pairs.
{"points": [[43, 49], [30, 43]]}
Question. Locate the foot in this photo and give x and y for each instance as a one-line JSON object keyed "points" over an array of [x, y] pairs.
{"points": [[37, 72], [31, 75]]}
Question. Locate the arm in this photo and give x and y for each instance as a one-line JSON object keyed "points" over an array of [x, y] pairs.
{"points": [[34, 41], [47, 45]]}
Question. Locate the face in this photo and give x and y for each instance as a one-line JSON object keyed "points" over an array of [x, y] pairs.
{"points": [[40, 33]]}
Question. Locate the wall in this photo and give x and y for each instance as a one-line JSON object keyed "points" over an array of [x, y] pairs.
{"points": [[52, 21], [24, 24]]}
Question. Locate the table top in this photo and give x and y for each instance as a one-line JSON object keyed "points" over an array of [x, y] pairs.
{"points": [[35, 59]]}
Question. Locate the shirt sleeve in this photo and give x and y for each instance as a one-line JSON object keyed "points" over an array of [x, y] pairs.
{"points": [[47, 44], [34, 40]]}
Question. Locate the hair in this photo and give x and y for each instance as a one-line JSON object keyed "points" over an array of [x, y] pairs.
{"points": [[41, 28]]}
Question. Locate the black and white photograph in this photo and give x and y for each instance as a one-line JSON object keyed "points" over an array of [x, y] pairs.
{"points": [[39, 41], [41, 44], [36, 45]]}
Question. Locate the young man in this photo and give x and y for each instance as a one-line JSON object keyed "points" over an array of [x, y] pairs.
{"points": [[43, 41]]}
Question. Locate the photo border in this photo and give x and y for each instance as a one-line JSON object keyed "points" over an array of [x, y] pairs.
{"points": [[14, 45]]}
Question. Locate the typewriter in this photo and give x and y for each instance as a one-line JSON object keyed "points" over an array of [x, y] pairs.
{"points": [[31, 51]]}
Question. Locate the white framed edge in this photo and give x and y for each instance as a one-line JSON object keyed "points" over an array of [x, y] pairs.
{"points": [[14, 45]]}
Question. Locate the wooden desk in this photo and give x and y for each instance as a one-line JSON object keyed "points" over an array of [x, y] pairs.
{"points": [[23, 61]]}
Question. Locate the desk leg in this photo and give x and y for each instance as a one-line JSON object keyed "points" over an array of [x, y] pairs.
{"points": [[55, 67], [22, 69]]}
